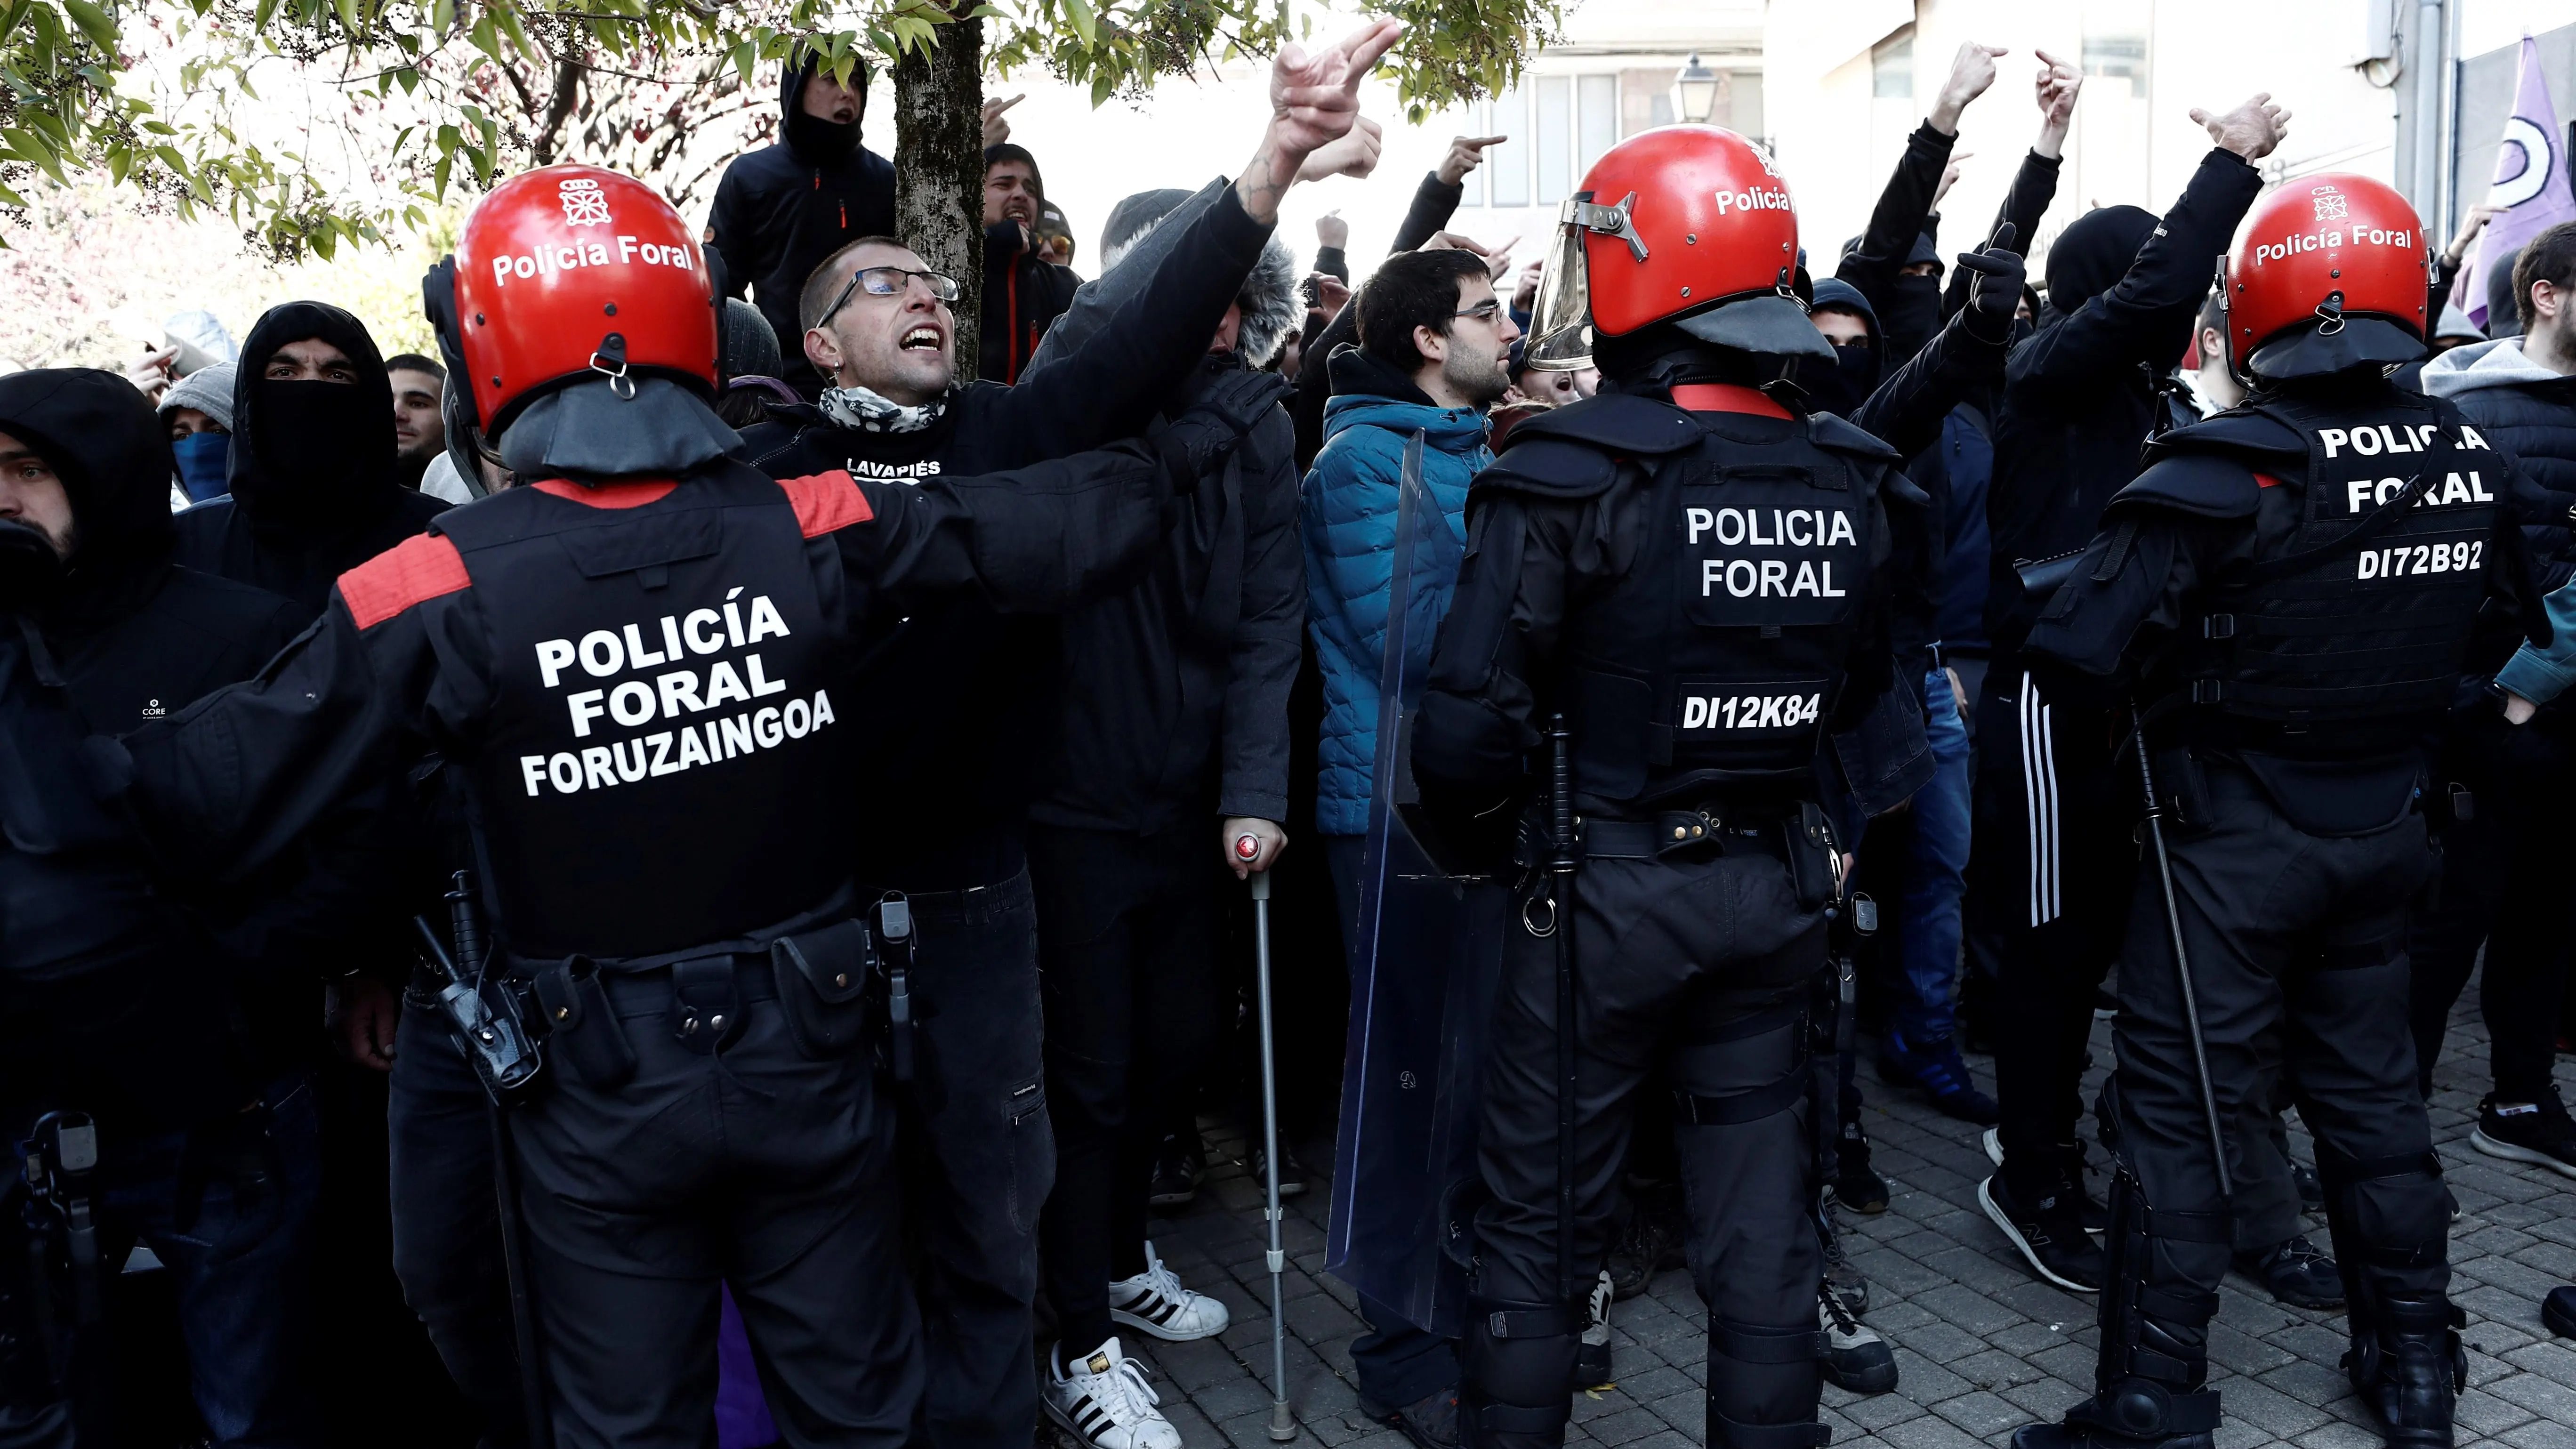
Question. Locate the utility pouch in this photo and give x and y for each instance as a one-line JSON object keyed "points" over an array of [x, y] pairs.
{"points": [[2186, 789], [583, 1023], [823, 987], [1811, 857]]}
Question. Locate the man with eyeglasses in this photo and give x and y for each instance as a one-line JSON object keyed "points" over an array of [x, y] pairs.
{"points": [[963, 697]]}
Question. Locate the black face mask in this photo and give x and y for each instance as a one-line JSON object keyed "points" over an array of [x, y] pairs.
{"points": [[323, 443], [820, 142], [30, 571], [1910, 314], [2023, 327], [1846, 386]]}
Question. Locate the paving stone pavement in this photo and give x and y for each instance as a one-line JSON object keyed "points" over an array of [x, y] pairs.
{"points": [[1982, 1346]]}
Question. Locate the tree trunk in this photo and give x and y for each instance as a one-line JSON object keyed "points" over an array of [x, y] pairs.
{"points": [[939, 169]]}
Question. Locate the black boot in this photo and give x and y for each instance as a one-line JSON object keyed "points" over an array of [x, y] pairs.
{"points": [[2408, 1368], [1514, 1367], [2137, 1413], [2154, 1357]]}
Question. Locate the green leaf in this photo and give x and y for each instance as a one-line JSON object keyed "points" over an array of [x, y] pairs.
{"points": [[266, 12], [94, 23], [1085, 23]]}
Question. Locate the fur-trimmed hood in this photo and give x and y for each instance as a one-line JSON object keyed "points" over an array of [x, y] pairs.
{"points": [[1143, 226]]}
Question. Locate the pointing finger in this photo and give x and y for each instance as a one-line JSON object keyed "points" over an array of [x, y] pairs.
{"points": [[2002, 240], [1366, 48]]}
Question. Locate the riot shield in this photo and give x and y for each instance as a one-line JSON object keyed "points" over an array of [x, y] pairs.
{"points": [[1430, 948]]}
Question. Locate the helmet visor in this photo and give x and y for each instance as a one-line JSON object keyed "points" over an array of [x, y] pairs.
{"points": [[1561, 319]]}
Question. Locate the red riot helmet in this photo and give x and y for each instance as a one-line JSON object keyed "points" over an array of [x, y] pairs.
{"points": [[569, 271], [1683, 224], [2329, 272]]}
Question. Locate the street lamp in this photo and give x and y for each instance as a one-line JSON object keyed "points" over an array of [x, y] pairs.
{"points": [[1695, 92]]}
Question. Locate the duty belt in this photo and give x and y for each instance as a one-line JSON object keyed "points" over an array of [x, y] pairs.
{"points": [[1674, 831]]}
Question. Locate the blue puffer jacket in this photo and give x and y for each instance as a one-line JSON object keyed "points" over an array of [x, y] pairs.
{"points": [[1349, 522]]}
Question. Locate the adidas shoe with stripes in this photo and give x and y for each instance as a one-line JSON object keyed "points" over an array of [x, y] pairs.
{"points": [[1155, 1302], [1102, 1399]]}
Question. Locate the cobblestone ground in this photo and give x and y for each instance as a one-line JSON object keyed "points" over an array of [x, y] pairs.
{"points": [[1981, 1344]]}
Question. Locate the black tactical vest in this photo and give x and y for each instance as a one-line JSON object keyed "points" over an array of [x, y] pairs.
{"points": [[1708, 667], [2370, 565], [665, 762]]}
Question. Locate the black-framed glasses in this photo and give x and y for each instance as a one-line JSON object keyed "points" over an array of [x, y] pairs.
{"points": [[889, 282], [1485, 311]]}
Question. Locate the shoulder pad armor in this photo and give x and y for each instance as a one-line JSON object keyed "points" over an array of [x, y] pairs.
{"points": [[2238, 430], [1828, 431], [2206, 485], [1618, 422], [1548, 467]]}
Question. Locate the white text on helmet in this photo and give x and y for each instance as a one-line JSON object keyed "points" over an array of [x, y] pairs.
{"points": [[2361, 236], [1759, 198], [566, 256]]}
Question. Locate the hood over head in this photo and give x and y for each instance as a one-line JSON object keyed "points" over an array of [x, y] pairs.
{"points": [[1841, 385], [312, 452], [1140, 232], [818, 142], [105, 441], [2476, 365], [2456, 323], [2093, 253], [994, 155], [2504, 319]]}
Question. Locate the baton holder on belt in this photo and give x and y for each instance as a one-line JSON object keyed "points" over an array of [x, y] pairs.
{"points": [[62, 1153]]}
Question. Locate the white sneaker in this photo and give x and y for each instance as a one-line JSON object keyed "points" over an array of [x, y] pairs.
{"points": [[1104, 1401], [1155, 1302]]}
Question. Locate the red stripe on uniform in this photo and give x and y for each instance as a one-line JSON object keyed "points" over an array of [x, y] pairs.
{"points": [[607, 495], [825, 502], [1726, 397], [2266, 480], [413, 571]]}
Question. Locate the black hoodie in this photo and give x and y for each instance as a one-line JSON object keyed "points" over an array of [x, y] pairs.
{"points": [[106, 1002], [293, 524], [2079, 394], [781, 210]]}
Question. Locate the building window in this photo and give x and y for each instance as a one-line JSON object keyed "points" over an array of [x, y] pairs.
{"points": [[1507, 162], [1891, 67], [1743, 102], [1555, 138], [1597, 118], [1558, 126], [2119, 57]]}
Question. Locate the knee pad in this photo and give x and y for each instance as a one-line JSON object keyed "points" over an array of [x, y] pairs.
{"points": [[2155, 1322], [2391, 1222], [1514, 1366]]}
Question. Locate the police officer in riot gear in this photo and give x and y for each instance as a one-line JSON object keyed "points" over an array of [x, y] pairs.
{"points": [[636, 668], [2290, 591], [1695, 575]]}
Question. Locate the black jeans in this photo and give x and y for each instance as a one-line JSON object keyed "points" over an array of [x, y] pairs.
{"points": [[446, 1221], [2297, 946], [1128, 928], [2047, 903], [977, 1159], [1700, 965], [1396, 1363], [2504, 880], [760, 1167]]}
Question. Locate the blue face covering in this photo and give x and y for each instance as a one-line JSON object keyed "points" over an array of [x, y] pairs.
{"points": [[205, 464]]}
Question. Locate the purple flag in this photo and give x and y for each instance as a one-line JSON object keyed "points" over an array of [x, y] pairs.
{"points": [[2530, 181]]}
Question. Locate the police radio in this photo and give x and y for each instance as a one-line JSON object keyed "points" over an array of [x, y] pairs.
{"points": [[484, 1023]]}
